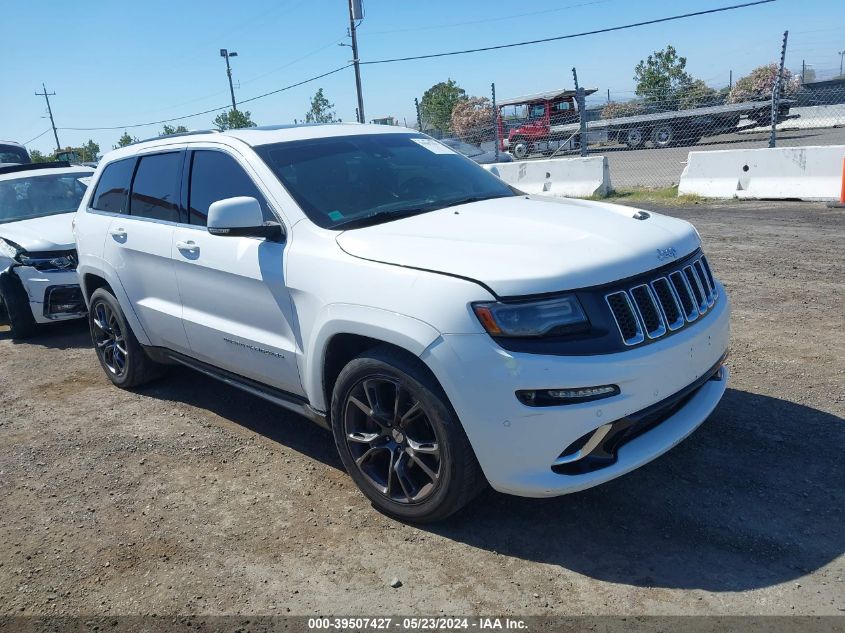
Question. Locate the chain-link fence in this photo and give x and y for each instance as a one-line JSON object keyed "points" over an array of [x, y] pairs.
{"points": [[647, 138]]}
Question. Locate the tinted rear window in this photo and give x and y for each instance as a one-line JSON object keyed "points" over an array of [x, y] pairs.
{"points": [[155, 190], [13, 154], [113, 187]]}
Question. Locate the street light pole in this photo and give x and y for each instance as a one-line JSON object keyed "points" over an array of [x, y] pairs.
{"points": [[225, 53], [355, 60], [841, 56]]}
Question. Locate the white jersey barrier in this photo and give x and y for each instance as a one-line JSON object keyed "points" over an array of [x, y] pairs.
{"points": [[563, 177], [806, 173]]}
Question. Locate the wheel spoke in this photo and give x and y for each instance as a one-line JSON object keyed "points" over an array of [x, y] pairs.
{"points": [[400, 476], [414, 411], [369, 453], [431, 474], [427, 448], [366, 409], [363, 437]]}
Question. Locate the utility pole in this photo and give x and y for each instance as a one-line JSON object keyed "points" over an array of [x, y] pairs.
{"points": [[841, 57], [47, 96], [776, 92], [356, 13], [730, 80], [225, 53], [580, 99]]}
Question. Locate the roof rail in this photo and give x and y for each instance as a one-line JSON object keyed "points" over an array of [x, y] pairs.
{"points": [[175, 135], [10, 169]]}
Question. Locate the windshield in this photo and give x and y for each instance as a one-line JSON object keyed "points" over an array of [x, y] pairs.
{"points": [[13, 154], [37, 196], [340, 181]]}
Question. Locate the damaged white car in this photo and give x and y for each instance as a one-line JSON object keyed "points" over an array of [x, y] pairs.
{"points": [[38, 282]]}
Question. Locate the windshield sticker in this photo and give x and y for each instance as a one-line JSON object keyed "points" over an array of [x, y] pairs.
{"points": [[85, 180], [433, 146], [334, 216]]}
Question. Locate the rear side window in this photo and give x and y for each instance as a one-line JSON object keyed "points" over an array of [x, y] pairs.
{"points": [[112, 192], [217, 176], [155, 190]]}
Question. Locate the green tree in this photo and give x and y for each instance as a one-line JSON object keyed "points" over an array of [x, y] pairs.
{"points": [[437, 104], [125, 140], [322, 110], [233, 120], [90, 150], [661, 77], [169, 129], [698, 94], [38, 156]]}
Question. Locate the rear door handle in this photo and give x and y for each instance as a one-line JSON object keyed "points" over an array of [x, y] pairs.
{"points": [[119, 232], [190, 245]]}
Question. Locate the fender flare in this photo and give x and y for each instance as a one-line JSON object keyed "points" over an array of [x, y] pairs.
{"points": [[405, 332], [105, 271]]}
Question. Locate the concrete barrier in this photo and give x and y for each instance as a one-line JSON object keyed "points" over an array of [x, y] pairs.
{"points": [[562, 177], [806, 173]]}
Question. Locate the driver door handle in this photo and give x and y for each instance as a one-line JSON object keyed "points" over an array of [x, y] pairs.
{"points": [[190, 245], [118, 232]]}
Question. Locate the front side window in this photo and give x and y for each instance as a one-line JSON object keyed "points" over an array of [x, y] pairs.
{"points": [[155, 190], [341, 181], [112, 192], [39, 196], [538, 111], [217, 176]]}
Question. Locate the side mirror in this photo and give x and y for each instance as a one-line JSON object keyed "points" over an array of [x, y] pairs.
{"points": [[240, 217]]}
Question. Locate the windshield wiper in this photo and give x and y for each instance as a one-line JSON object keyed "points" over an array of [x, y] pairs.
{"points": [[471, 199], [379, 217]]}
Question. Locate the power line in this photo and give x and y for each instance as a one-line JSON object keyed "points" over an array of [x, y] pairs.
{"points": [[570, 36], [486, 20], [37, 137], [190, 116]]}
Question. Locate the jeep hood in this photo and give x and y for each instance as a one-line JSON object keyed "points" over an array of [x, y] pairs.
{"points": [[527, 244], [49, 233]]}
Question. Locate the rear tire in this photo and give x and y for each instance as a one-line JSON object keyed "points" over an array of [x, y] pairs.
{"points": [[121, 356], [663, 136], [16, 305], [400, 440]]}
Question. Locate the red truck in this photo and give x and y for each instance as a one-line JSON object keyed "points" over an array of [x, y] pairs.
{"points": [[549, 123]]}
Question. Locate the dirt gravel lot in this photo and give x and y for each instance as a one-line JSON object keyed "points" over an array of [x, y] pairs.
{"points": [[190, 497]]}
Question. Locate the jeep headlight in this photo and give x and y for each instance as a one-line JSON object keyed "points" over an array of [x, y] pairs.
{"points": [[559, 315]]}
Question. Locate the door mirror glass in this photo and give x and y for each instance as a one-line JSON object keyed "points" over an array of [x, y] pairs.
{"points": [[240, 217]]}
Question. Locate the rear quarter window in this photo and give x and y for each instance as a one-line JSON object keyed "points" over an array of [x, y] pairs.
{"points": [[112, 192]]}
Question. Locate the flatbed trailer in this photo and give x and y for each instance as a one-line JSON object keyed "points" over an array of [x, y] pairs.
{"points": [[552, 124]]}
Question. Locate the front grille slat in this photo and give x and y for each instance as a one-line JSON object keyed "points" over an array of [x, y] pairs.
{"points": [[625, 317], [664, 304], [669, 303], [650, 315]]}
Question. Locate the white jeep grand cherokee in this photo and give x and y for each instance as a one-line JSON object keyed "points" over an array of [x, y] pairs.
{"points": [[450, 330]]}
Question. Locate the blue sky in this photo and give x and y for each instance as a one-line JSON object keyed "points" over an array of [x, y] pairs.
{"points": [[120, 62]]}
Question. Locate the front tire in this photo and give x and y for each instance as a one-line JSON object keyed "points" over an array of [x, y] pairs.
{"points": [[400, 440], [121, 356], [634, 138], [15, 302], [519, 148]]}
